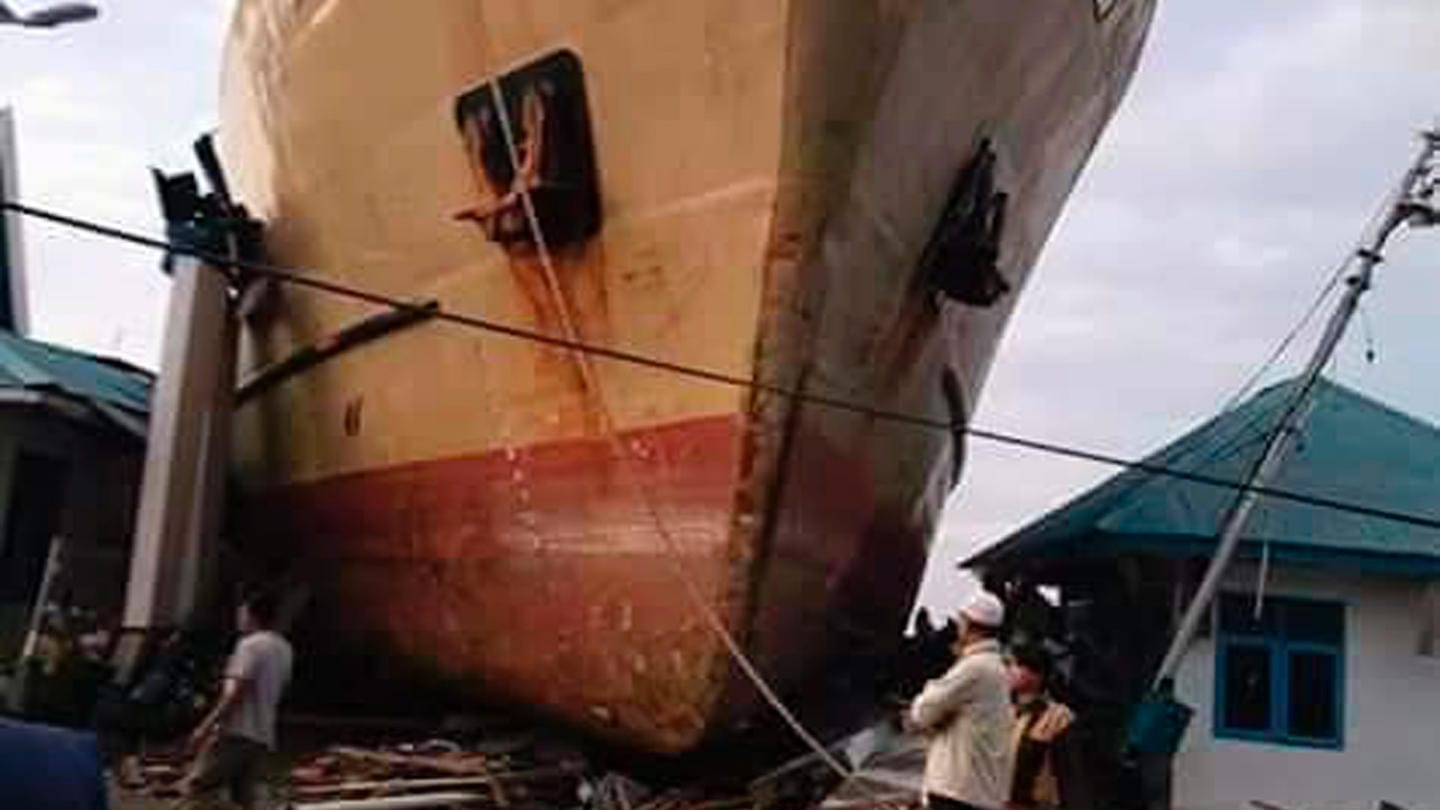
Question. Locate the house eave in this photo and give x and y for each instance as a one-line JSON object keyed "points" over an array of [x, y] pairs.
{"points": [[1101, 546], [84, 411]]}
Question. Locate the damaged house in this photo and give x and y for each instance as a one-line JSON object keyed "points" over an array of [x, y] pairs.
{"points": [[72, 447], [1316, 683]]}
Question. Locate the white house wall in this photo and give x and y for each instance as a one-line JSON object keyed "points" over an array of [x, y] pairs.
{"points": [[1391, 712]]}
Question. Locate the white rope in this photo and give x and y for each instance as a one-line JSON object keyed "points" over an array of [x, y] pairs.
{"points": [[552, 281], [697, 596]]}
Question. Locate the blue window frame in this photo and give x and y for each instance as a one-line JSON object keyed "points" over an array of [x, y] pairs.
{"points": [[1280, 677]]}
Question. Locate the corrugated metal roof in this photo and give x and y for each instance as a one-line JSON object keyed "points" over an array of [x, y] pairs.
{"points": [[1352, 449], [33, 365]]}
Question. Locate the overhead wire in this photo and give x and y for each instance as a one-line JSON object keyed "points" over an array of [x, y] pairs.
{"points": [[1227, 447], [1241, 440], [623, 457], [1332, 282], [309, 280], [584, 351]]}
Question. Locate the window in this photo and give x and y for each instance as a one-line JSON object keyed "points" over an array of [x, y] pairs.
{"points": [[1279, 677]]}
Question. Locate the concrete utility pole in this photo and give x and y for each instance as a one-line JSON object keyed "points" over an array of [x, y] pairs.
{"points": [[1411, 205], [189, 415], [183, 488]]}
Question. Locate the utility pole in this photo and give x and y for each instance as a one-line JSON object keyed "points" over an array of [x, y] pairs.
{"points": [[14, 309], [183, 486], [1410, 205]]}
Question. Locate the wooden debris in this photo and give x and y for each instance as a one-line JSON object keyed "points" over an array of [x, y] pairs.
{"points": [[445, 800], [458, 765], [506, 771], [390, 786]]}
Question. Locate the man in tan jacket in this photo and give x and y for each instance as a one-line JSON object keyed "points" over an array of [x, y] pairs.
{"points": [[1043, 749], [967, 718]]}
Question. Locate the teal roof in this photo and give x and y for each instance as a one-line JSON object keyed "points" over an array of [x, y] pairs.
{"points": [[46, 368], [1352, 449]]}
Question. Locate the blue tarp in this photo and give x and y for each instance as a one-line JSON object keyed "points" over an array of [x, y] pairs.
{"points": [[45, 768]]}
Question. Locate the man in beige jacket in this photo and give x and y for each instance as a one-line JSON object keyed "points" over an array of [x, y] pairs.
{"points": [[967, 718]]}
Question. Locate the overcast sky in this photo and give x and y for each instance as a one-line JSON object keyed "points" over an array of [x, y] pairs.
{"points": [[1254, 145], [1256, 142], [96, 105]]}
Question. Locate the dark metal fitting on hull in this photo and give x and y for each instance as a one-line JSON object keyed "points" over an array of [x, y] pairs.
{"points": [[527, 136], [961, 259]]}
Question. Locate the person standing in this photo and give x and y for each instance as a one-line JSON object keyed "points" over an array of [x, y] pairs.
{"points": [[1043, 750], [967, 718], [236, 737]]}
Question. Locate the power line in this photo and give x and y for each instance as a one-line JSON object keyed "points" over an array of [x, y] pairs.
{"points": [[298, 278], [1284, 345], [1241, 441], [1332, 282], [678, 567]]}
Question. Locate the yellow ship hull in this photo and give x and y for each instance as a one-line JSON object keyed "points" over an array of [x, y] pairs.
{"points": [[759, 188]]}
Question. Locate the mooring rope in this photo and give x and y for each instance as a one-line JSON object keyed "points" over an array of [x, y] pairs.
{"points": [[628, 463]]}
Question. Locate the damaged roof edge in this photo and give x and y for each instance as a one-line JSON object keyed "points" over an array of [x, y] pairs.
{"points": [[117, 390]]}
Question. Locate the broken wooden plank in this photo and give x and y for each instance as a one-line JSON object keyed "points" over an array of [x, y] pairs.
{"points": [[468, 766], [392, 785], [401, 802], [457, 767]]}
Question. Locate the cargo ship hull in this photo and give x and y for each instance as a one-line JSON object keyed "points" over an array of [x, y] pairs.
{"points": [[841, 198]]}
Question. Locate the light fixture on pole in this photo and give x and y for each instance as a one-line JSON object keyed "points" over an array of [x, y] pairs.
{"points": [[50, 16]]}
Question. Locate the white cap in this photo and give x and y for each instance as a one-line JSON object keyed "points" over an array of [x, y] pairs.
{"points": [[984, 609]]}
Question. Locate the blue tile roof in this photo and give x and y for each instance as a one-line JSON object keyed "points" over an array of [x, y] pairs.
{"points": [[1352, 449], [33, 365]]}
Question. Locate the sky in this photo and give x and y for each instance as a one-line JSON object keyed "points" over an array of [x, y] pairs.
{"points": [[1255, 143], [96, 105]]}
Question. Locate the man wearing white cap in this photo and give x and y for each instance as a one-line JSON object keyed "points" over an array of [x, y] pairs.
{"points": [[967, 718]]}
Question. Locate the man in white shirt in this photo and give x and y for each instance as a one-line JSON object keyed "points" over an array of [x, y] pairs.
{"points": [[967, 718], [237, 736]]}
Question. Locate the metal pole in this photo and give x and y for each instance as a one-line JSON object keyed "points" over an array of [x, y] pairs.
{"points": [[54, 564], [15, 312], [1278, 447], [20, 684]]}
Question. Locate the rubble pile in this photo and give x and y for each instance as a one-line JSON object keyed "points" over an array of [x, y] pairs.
{"points": [[526, 770], [474, 778]]}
